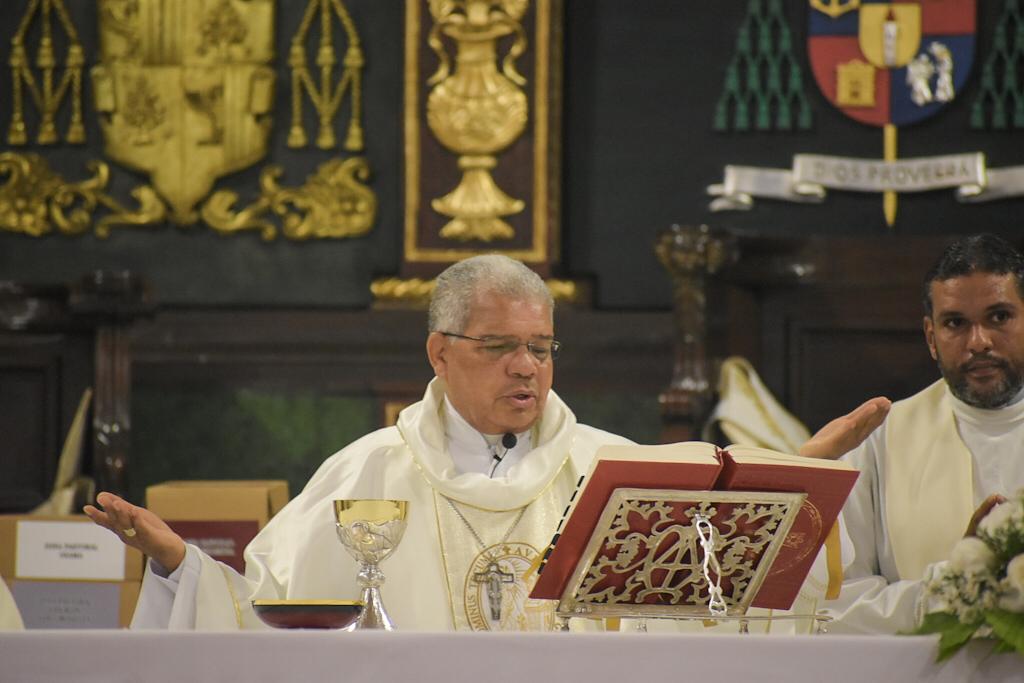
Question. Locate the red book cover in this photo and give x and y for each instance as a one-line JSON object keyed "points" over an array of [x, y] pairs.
{"points": [[827, 485], [684, 466]]}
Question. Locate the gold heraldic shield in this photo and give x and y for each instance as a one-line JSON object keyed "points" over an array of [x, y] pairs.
{"points": [[184, 91]]}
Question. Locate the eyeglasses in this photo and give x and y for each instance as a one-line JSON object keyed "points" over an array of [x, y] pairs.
{"points": [[499, 347]]}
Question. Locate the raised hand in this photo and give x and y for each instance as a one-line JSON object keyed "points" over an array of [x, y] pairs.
{"points": [[139, 528], [845, 433]]}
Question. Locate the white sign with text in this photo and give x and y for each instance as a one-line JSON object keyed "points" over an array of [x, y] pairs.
{"points": [[68, 550]]}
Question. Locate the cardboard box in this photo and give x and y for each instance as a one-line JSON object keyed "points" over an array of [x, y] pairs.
{"points": [[66, 572], [75, 604], [64, 548], [220, 517]]}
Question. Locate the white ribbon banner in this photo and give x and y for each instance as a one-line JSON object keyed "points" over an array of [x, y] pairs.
{"points": [[812, 174]]}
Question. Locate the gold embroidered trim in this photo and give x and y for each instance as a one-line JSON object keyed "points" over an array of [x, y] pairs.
{"points": [[234, 598], [444, 555]]}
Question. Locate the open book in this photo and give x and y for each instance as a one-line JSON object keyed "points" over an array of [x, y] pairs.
{"points": [[699, 466]]}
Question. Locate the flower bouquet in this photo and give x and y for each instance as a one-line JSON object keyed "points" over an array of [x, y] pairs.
{"points": [[980, 591]]}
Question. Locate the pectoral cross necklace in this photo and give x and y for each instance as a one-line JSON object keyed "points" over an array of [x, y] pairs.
{"points": [[495, 575]]}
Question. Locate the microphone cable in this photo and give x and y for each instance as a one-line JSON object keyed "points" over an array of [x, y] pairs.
{"points": [[508, 441]]}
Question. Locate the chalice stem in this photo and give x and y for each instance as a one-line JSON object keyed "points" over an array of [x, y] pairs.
{"points": [[373, 615]]}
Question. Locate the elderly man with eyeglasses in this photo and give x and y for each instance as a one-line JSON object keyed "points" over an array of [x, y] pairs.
{"points": [[488, 461]]}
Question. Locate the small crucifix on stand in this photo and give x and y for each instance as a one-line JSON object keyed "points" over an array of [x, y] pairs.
{"points": [[493, 578]]}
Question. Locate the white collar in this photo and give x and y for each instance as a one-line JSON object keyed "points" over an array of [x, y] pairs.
{"points": [[988, 416], [474, 451], [423, 430]]}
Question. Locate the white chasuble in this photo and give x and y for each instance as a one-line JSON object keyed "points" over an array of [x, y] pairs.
{"points": [[491, 530], [439, 577]]}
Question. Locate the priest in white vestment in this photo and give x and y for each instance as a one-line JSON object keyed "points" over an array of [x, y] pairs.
{"points": [[487, 460], [944, 455]]}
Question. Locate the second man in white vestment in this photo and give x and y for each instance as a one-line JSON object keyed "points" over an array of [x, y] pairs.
{"points": [[934, 466]]}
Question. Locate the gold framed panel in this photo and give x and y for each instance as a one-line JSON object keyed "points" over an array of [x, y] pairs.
{"points": [[532, 161]]}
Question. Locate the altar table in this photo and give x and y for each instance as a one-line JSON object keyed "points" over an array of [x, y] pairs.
{"points": [[98, 656]]}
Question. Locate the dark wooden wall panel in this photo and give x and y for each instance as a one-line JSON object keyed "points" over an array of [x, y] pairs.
{"points": [[832, 369], [27, 433], [41, 380], [828, 323]]}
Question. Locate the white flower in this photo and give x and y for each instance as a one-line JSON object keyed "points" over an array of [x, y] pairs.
{"points": [[1012, 601], [1001, 517], [1015, 573], [971, 555]]}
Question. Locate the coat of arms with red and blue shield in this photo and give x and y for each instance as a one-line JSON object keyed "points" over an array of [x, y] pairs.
{"points": [[891, 63]]}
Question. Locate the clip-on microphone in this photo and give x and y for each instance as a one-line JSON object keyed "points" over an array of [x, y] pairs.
{"points": [[508, 440]]}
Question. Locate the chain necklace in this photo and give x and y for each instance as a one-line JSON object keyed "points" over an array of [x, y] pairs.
{"points": [[476, 536], [493, 578]]}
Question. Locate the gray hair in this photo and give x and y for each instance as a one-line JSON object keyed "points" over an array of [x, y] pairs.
{"points": [[461, 283]]}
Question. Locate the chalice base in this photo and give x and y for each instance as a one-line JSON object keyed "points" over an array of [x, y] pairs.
{"points": [[373, 615]]}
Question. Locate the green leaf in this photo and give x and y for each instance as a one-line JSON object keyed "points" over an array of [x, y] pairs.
{"points": [[953, 634], [1002, 648], [1008, 626], [937, 622], [954, 639]]}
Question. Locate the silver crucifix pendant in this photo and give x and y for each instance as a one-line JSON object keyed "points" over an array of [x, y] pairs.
{"points": [[493, 578]]}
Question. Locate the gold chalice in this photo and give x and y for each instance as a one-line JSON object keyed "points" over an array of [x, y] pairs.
{"points": [[370, 530]]}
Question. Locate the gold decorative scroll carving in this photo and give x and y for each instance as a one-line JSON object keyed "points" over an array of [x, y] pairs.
{"points": [[481, 122], [34, 200], [326, 98], [332, 203], [417, 291], [184, 89], [45, 92]]}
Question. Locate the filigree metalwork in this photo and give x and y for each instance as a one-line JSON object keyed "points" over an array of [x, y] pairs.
{"points": [[477, 111], [326, 98], [34, 200], [46, 92], [664, 564], [332, 203], [645, 556]]}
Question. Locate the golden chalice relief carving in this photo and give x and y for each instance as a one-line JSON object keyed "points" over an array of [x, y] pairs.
{"points": [[477, 110]]}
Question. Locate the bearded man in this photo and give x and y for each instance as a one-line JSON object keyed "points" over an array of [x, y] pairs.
{"points": [[944, 456], [487, 462]]}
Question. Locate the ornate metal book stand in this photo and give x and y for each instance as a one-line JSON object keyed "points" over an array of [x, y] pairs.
{"points": [[659, 553]]}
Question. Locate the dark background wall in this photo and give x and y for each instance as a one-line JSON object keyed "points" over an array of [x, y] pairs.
{"points": [[641, 83], [641, 80]]}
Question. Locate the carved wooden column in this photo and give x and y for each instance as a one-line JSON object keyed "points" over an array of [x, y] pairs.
{"points": [[690, 254], [115, 300]]}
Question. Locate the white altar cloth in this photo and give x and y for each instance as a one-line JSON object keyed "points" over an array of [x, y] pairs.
{"points": [[98, 656]]}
